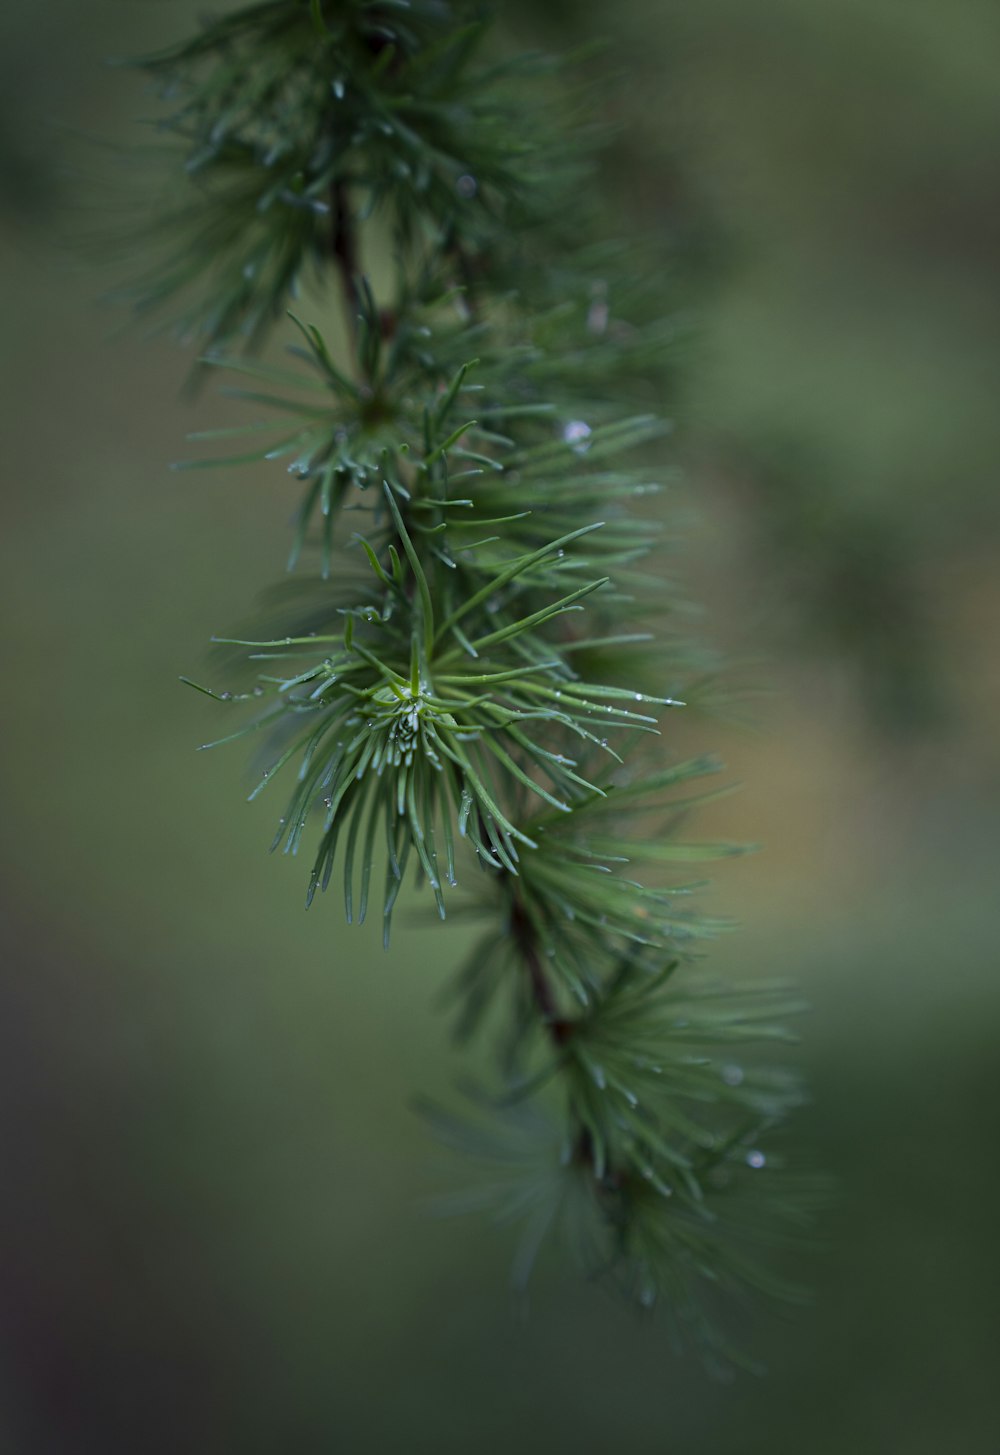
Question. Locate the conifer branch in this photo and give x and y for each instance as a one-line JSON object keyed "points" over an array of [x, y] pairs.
{"points": [[465, 670]]}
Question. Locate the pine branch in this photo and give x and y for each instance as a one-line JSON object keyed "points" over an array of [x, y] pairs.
{"points": [[466, 671]]}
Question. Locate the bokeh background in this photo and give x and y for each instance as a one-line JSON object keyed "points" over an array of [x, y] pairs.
{"points": [[213, 1234]]}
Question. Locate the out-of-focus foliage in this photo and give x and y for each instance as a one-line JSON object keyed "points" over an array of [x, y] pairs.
{"points": [[827, 183]]}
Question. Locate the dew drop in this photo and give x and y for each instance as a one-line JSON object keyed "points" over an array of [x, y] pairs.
{"points": [[577, 435], [756, 1159], [732, 1075], [597, 318], [467, 186]]}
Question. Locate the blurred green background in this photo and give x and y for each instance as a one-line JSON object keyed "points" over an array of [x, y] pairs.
{"points": [[213, 1224]]}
